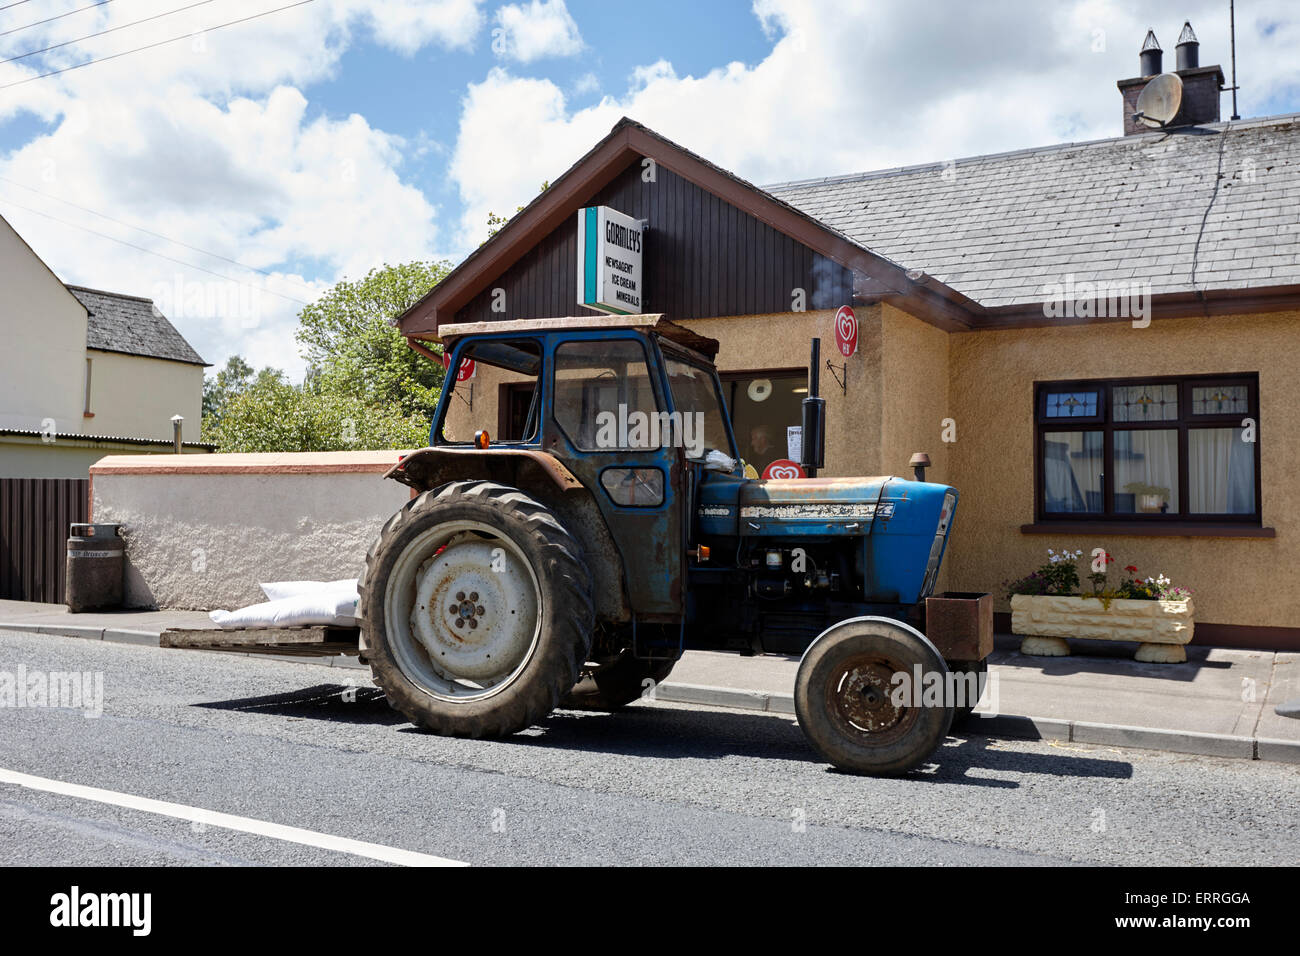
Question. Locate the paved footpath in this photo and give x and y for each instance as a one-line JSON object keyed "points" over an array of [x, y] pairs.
{"points": [[200, 758], [1220, 703]]}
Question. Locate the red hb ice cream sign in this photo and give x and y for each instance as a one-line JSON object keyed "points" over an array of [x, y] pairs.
{"points": [[784, 468], [846, 331], [466, 371]]}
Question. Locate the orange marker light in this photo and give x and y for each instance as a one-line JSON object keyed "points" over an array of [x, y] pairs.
{"points": [[482, 439]]}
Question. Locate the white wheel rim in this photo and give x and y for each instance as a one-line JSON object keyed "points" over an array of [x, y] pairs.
{"points": [[462, 611]]}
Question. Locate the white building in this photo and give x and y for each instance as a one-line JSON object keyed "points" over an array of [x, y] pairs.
{"points": [[85, 373]]}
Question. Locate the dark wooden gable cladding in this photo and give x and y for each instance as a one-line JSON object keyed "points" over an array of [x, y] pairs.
{"points": [[703, 257]]}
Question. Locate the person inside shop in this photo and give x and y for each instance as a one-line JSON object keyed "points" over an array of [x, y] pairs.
{"points": [[761, 450]]}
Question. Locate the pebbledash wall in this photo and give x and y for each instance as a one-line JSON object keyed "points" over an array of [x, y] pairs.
{"points": [[203, 531], [1241, 583]]}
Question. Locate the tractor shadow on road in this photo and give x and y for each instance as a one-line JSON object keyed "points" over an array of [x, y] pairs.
{"points": [[677, 733], [662, 733], [357, 705]]}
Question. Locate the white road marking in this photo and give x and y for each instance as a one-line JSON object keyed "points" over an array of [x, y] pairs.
{"points": [[276, 831]]}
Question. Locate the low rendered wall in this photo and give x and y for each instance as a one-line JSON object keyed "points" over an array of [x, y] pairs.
{"points": [[203, 531]]}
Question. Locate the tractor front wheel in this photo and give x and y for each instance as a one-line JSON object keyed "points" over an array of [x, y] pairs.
{"points": [[861, 697]]}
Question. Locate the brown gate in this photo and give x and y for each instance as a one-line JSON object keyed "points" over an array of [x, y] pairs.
{"points": [[34, 517]]}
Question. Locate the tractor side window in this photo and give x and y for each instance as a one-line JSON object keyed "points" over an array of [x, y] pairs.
{"points": [[604, 399], [695, 393], [495, 390]]}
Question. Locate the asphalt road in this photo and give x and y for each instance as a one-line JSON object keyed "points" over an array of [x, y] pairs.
{"points": [[293, 745]]}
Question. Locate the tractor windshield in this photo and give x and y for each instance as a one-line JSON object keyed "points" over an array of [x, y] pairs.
{"points": [[695, 391]]}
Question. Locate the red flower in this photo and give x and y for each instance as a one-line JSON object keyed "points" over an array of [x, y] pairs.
{"points": [[1131, 570]]}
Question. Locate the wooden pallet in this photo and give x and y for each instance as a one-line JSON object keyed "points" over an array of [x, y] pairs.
{"points": [[292, 641]]}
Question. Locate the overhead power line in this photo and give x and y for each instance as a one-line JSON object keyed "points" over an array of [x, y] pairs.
{"points": [[120, 26], [180, 262], [158, 235], [58, 16], [150, 46], [18, 3]]}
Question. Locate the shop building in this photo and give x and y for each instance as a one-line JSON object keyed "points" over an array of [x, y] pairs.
{"points": [[1096, 343]]}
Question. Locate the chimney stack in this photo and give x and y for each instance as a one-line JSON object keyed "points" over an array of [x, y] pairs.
{"points": [[1201, 84]]}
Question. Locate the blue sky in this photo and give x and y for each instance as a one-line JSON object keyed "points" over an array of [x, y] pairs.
{"points": [[316, 143]]}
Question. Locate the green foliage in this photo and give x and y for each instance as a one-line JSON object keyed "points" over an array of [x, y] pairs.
{"points": [[364, 389], [273, 414], [352, 345], [225, 385], [1059, 576]]}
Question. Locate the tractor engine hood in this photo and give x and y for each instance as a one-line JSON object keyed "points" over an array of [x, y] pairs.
{"points": [[902, 526], [737, 507]]}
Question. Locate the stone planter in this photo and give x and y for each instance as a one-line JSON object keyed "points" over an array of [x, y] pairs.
{"points": [[1160, 628]]}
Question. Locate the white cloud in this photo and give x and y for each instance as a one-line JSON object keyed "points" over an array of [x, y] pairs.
{"points": [[212, 142], [540, 28], [850, 87], [587, 83]]}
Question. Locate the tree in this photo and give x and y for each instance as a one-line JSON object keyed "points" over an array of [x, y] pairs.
{"points": [[365, 388], [353, 347], [219, 390], [273, 414]]}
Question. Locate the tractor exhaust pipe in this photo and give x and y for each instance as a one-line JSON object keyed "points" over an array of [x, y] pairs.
{"points": [[813, 451]]}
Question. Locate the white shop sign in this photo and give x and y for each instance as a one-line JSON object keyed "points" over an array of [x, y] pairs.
{"points": [[609, 260]]}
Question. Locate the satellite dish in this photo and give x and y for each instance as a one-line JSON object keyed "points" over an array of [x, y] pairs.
{"points": [[1158, 103]]}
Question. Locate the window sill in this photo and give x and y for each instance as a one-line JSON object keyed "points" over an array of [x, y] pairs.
{"points": [[1180, 529]]}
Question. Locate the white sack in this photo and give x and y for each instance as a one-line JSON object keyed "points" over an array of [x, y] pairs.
{"points": [[284, 589], [339, 609]]}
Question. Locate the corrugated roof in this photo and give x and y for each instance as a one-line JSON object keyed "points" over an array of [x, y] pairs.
{"points": [[130, 324], [999, 228], [116, 439]]}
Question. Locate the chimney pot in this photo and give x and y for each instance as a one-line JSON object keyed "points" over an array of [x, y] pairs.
{"points": [[1151, 57], [1188, 49]]}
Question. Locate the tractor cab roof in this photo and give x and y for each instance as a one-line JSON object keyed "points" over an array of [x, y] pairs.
{"points": [[648, 322]]}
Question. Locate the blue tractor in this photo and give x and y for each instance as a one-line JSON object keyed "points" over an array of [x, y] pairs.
{"points": [[564, 552]]}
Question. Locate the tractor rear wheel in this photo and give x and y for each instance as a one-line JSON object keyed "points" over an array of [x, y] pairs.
{"points": [[476, 610], [616, 684], [853, 710]]}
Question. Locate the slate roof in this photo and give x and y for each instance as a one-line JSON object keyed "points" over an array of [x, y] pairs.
{"points": [[130, 324], [999, 228]]}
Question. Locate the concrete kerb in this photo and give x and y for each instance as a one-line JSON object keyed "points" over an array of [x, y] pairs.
{"points": [[994, 725], [1026, 728]]}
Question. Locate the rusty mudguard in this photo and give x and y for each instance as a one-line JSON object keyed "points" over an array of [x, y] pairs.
{"points": [[960, 625], [431, 467], [545, 478]]}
